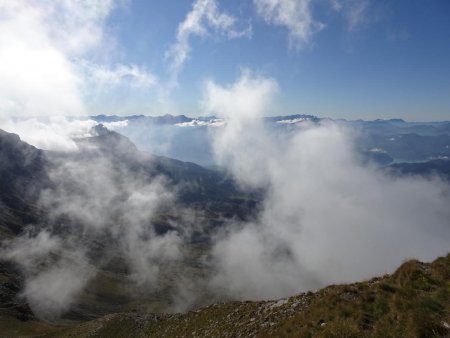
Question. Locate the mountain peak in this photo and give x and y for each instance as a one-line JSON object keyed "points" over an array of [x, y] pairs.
{"points": [[107, 141], [15, 151]]}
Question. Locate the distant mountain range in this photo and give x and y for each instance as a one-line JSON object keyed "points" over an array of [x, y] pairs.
{"points": [[389, 126], [189, 139]]}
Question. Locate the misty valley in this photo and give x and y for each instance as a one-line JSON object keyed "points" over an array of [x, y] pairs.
{"points": [[107, 227]]}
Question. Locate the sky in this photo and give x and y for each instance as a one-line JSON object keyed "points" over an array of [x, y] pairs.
{"points": [[332, 58]]}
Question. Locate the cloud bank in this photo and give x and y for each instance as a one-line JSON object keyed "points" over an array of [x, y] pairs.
{"points": [[327, 218]]}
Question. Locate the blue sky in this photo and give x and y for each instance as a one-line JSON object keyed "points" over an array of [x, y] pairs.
{"points": [[394, 62], [338, 58]]}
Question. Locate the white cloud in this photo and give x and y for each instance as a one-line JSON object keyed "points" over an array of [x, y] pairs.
{"points": [[117, 125], [204, 17], [295, 15], [201, 123], [77, 27], [47, 50], [246, 99], [326, 218], [130, 75], [104, 200], [38, 44], [51, 133], [51, 290], [241, 105], [36, 77]]}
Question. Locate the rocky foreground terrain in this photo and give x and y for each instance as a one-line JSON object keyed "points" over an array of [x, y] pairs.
{"points": [[412, 302]]}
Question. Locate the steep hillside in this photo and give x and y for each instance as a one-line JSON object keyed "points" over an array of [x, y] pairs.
{"points": [[412, 302], [22, 175]]}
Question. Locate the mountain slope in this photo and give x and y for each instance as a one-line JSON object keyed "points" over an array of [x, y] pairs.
{"points": [[198, 187], [412, 302], [22, 176], [24, 168]]}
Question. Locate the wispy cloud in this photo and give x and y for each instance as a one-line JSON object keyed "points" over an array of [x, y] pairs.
{"points": [[116, 205], [121, 74], [203, 19], [295, 15], [355, 12], [51, 291], [77, 27]]}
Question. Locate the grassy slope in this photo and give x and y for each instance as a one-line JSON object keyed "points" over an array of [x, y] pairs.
{"points": [[413, 302]]}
